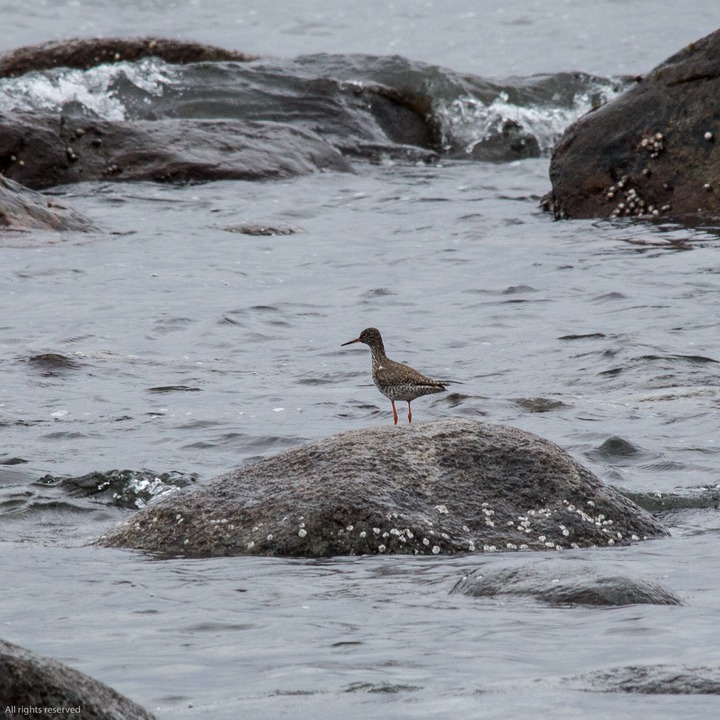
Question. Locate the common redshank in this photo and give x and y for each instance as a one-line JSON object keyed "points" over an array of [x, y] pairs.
{"points": [[393, 379]]}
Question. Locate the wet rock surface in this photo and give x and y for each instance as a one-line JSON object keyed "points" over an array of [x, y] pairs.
{"points": [[85, 53], [331, 120], [41, 150], [653, 151], [435, 488], [124, 488], [24, 209], [28, 680], [563, 582]]}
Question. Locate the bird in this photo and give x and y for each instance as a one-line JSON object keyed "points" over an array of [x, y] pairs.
{"points": [[393, 379]]}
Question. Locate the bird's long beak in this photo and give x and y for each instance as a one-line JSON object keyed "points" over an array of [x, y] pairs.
{"points": [[350, 342]]}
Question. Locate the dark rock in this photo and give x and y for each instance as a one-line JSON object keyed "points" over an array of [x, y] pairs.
{"points": [[539, 404], [89, 52], [617, 447], [407, 118], [52, 363], [124, 488], [584, 336], [172, 140], [24, 209], [654, 680], [511, 141], [14, 461], [563, 582], [34, 150], [653, 151], [263, 230], [440, 487], [700, 498], [28, 680]]}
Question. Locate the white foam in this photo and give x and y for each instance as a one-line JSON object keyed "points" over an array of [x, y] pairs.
{"points": [[468, 121], [93, 89]]}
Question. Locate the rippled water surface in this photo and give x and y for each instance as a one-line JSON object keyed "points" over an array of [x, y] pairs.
{"points": [[185, 346], [364, 637], [174, 343]]}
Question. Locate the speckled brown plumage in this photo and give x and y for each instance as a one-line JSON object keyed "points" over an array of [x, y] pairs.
{"points": [[393, 379]]}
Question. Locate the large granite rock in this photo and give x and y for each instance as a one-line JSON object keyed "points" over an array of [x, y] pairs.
{"points": [[24, 209], [435, 488], [653, 151], [40, 150], [85, 53], [33, 685], [569, 581]]}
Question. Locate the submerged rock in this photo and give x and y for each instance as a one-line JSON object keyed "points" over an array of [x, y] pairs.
{"points": [[654, 680], [85, 53], [124, 488], [265, 230], [435, 488], [653, 151], [51, 364], [563, 582], [43, 149], [29, 681], [24, 209]]}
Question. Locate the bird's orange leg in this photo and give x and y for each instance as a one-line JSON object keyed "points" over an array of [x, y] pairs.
{"points": [[409, 413], [395, 415]]}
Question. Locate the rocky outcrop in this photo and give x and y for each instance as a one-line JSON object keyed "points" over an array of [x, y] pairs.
{"points": [[435, 488], [52, 689], [334, 119], [41, 150], [567, 582], [85, 53], [653, 151], [23, 209]]}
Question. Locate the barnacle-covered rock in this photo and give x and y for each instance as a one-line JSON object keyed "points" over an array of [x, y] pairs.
{"points": [[650, 152], [442, 487]]}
